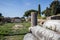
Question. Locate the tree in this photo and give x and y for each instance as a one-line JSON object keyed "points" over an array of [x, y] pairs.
{"points": [[39, 10], [8, 20], [22, 19], [28, 13], [54, 9], [48, 12], [1, 19], [44, 11], [0, 14]]}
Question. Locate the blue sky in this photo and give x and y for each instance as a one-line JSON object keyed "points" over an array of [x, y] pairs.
{"points": [[16, 8]]}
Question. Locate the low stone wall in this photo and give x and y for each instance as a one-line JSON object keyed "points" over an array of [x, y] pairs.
{"points": [[54, 17]]}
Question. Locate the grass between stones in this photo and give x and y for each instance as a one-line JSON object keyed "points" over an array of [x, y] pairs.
{"points": [[6, 30]]}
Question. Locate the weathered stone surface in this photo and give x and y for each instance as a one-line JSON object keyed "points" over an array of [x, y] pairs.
{"points": [[44, 34], [17, 26], [33, 18], [29, 36], [54, 17], [53, 25]]}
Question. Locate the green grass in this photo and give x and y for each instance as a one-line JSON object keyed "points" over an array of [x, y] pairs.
{"points": [[7, 29], [16, 37]]}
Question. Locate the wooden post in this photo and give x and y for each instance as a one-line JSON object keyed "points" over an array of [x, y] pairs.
{"points": [[33, 19]]}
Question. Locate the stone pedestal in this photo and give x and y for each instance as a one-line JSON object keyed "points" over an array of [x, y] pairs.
{"points": [[33, 18]]}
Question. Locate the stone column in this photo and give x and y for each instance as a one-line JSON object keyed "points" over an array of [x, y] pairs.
{"points": [[33, 19], [44, 34]]}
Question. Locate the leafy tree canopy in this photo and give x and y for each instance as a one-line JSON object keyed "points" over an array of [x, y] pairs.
{"points": [[54, 9], [0, 14], [28, 12]]}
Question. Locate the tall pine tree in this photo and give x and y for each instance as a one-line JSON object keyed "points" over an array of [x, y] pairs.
{"points": [[39, 11]]}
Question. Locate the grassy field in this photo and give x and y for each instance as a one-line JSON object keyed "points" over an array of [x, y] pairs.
{"points": [[7, 29]]}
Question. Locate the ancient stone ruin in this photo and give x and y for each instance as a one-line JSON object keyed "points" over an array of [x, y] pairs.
{"points": [[50, 30], [54, 17]]}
